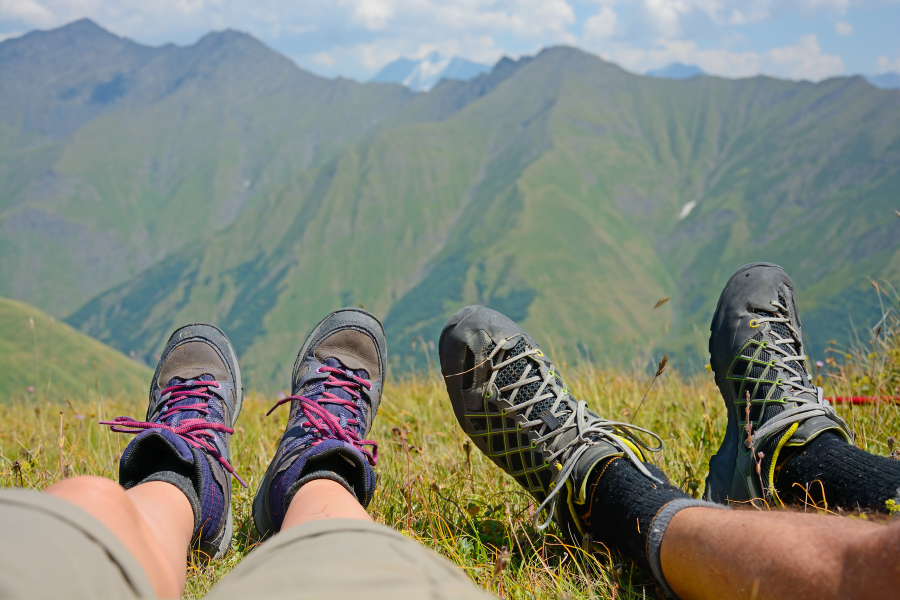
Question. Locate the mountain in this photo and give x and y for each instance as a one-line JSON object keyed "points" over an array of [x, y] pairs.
{"points": [[114, 155], [885, 81], [559, 189], [676, 70], [422, 75], [44, 358]]}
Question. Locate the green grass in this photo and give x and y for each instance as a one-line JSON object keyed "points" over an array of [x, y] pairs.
{"points": [[459, 504], [44, 359]]}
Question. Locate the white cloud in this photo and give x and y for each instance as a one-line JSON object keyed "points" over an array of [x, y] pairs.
{"points": [[325, 59], [673, 19], [602, 25], [356, 37], [887, 65], [374, 14], [27, 11], [844, 28], [805, 60]]}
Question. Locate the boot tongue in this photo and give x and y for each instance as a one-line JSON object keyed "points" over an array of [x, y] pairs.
{"points": [[179, 380], [318, 390], [186, 414]]}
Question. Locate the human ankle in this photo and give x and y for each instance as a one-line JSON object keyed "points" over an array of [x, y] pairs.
{"points": [[323, 499], [627, 511]]}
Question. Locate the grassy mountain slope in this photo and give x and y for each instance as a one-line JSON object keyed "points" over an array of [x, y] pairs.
{"points": [[551, 192], [57, 361], [113, 155], [218, 182]]}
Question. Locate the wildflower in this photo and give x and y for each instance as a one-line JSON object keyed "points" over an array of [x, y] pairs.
{"points": [[892, 507], [820, 364], [30, 389]]}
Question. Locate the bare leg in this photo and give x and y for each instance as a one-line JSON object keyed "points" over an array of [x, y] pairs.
{"points": [[709, 553], [153, 520], [323, 499]]}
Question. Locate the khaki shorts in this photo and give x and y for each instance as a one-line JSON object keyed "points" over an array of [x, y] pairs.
{"points": [[51, 549]]}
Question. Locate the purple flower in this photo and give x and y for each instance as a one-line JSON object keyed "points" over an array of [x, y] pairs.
{"points": [[820, 364], [30, 389]]}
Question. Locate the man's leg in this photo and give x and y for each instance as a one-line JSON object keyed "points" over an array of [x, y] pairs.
{"points": [[591, 475], [770, 555]]}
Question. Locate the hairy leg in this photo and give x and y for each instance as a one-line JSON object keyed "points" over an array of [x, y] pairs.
{"points": [[323, 499], [153, 520], [761, 555]]}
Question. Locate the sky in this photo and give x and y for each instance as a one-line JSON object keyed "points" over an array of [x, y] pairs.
{"points": [[794, 39]]}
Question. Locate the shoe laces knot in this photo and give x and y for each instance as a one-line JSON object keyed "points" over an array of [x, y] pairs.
{"points": [[322, 424], [188, 396], [566, 413]]}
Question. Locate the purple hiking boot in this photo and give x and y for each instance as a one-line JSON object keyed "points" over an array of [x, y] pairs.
{"points": [[337, 383], [195, 399]]}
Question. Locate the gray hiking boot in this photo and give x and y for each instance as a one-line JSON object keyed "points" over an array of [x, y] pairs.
{"points": [[756, 352], [185, 440], [509, 398], [337, 383]]}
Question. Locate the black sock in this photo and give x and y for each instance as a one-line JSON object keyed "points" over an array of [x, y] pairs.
{"points": [[622, 504], [850, 478]]}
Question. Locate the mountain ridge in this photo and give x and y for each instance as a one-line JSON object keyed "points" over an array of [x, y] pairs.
{"points": [[554, 188]]}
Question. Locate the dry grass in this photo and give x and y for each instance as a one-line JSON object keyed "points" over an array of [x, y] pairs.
{"points": [[448, 498]]}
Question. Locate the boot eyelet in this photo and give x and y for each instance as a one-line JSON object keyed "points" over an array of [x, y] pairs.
{"points": [[754, 323]]}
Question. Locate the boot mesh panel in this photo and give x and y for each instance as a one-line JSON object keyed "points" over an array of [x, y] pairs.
{"points": [[512, 373], [751, 373], [507, 446]]}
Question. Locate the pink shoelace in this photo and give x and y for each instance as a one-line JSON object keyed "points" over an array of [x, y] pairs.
{"points": [[327, 425], [195, 431]]}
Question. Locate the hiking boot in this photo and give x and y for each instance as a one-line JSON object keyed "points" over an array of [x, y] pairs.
{"points": [[195, 399], [756, 352], [337, 383], [509, 398]]}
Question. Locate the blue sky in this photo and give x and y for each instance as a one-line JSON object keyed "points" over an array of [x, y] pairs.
{"points": [[796, 39]]}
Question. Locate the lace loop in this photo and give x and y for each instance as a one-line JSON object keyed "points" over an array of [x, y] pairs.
{"points": [[195, 431], [326, 425]]}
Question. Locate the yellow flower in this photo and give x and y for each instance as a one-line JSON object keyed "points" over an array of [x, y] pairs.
{"points": [[892, 507]]}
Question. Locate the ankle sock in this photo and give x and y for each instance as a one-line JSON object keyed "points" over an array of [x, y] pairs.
{"points": [[337, 463], [849, 477], [628, 512]]}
